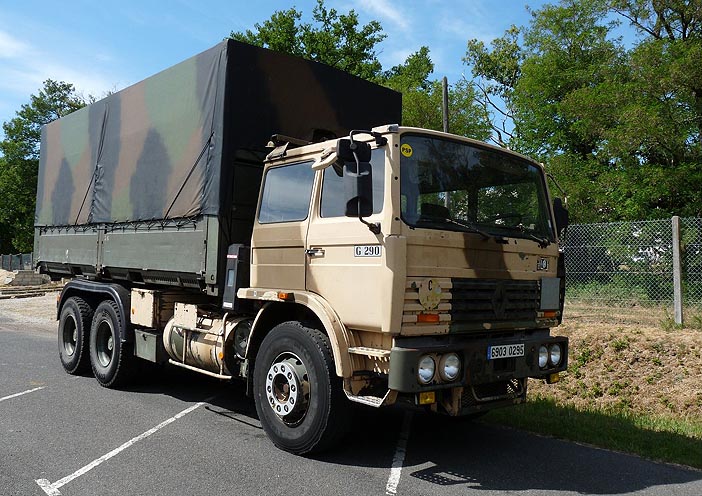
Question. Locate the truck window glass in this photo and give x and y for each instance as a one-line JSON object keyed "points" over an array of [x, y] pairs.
{"points": [[333, 204], [286, 193], [456, 186]]}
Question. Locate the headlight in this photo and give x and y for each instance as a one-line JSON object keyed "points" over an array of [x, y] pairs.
{"points": [[554, 354], [543, 357], [450, 367], [426, 369]]}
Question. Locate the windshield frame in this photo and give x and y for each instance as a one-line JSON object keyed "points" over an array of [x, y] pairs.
{"points": [[546, 233]]}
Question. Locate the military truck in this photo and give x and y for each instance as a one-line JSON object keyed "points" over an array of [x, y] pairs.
{"points": [[353, 260]]}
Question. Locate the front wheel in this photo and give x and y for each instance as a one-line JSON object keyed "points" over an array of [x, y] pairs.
{"points": [[299, 398]]}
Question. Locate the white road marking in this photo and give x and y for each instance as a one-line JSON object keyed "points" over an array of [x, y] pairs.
{"points": [[52, 489], [399, 458], [20, 394]]}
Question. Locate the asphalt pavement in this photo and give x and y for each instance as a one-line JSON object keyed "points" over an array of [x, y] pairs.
{"points": [[179, 433]]}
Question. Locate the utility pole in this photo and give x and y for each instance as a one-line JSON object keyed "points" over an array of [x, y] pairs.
{"points": [[445, 116], [444, 107]]}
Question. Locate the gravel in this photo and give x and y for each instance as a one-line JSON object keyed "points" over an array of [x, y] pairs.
{"points": [[35, 311]]}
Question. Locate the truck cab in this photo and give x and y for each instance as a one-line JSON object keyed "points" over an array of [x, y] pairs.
{"points": [[434, 258]]}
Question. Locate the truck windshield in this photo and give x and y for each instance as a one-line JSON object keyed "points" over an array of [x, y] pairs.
{"points": [[457, 186]]}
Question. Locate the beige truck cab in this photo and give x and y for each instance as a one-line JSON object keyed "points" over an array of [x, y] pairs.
{"points": [[400, 265]]}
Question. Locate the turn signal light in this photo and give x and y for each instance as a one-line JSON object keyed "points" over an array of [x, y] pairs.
{"points": [[282, 295], [550, 314], [427, 398], [428, 318]]}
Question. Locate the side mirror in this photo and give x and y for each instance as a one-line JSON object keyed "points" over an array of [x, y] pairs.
{"points": [[561, 215], [345, 149], [358, 187]]}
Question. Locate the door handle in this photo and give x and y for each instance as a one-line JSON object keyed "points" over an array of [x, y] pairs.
{"points": [[314, 252]]}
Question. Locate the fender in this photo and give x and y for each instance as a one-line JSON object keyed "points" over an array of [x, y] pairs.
{"points": [[121, 295], [339, 337]]}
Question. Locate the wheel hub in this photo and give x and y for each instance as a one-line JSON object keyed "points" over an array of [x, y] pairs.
{"points": [[104, 344], [70, 337], [287, 387]]}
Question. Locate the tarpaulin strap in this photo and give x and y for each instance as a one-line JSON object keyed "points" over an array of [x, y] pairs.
{"points": [[97, 162], [192, 169], [207, 143]]}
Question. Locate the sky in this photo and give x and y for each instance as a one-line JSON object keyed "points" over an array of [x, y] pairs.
{"points": [[108, 45]]}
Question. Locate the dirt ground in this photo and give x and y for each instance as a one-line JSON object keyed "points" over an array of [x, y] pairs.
{"points": [[630, 359], [38, 309]]}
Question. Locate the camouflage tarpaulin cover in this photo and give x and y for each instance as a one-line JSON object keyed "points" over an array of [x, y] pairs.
{"points": [[167, 146]]}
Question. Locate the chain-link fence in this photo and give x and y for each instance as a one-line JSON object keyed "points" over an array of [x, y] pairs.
{"points": [[625, 263], [22, 261]]}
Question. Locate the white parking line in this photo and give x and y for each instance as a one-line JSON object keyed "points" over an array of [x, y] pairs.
{"points": [[52, 489], [399, 459], [20, 394]]}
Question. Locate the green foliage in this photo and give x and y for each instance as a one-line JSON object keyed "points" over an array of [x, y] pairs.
{"points": [[498, 70], [19, 162], [620, 344], [656, 437], [620, 127], [334, 39]]}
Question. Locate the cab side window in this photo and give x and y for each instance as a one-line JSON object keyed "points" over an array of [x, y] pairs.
{"points": [[286, 193], [333, 204]]}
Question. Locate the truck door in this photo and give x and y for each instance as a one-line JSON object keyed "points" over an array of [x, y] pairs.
{"points": [[278, 242], [345, 261]]}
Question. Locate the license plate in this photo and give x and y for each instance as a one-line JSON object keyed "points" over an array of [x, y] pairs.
{"points": [[505, 351]]}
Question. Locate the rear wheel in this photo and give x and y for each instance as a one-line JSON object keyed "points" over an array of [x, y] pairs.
{"points": [[299, 398], [73, 330], [111, 359]]}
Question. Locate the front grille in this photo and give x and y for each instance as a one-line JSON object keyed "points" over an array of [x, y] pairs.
{"points": [[494, 391], [488, 301]]}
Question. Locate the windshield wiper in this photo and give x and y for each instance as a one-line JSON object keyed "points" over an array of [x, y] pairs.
{"points": [[543, 242], [469, 228]]}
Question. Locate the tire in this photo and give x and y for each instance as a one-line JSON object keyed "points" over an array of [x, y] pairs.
{"points": [[298, 396], [73, 330], [111, 359]]}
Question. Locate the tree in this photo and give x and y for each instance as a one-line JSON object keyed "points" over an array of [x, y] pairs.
{"points": [[619, 126], [333, 39], [497, 72], [422, 98], [19, 163]]}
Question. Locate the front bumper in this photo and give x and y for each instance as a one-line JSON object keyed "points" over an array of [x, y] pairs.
{"points": [[476, 368]]}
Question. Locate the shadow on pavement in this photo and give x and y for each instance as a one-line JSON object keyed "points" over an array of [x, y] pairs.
{"points": [[444, 454]]}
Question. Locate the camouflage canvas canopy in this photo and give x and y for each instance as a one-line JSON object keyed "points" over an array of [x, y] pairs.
{"points": [[167, 146]]}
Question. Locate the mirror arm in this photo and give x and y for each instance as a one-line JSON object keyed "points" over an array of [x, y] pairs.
{"points": [[380, 140], [373, 227]]}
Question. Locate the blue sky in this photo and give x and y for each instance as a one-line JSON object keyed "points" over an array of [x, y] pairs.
{"points": [[108, 45]]}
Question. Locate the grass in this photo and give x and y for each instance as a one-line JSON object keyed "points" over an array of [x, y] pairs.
{"points": [[632, 385], [666, 439]]}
